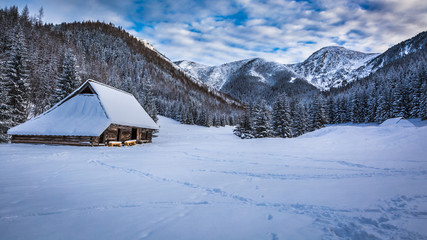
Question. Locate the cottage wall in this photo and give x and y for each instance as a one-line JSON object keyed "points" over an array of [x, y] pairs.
{"points": [[63, 140], [123, 133]]}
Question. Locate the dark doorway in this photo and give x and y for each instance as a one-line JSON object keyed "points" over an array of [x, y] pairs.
{"points": [[134, 133], [119, 132], [101, 138]]}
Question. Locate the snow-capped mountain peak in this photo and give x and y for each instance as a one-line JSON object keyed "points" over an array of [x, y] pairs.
{"points": [[331, 66], [217, 76], [327, 68]]}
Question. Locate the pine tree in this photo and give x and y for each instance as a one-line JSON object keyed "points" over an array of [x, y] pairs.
{"points": [[318, 113], [330, 109], [282, 122], [245, 127], [300, 120], [150, 102], [340, 113], [400, 100], [304, 125], [371, 109], [262, 127], [68, 79], [223, 121], [201, 118], [40, 16], [5, 119], [357, 115], [415, 91], [276, 117], [423, 102], [16, 84]]}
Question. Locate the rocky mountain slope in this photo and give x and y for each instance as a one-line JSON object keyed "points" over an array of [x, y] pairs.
{"points": [[249, 79], [416, 44], [329, 67]]}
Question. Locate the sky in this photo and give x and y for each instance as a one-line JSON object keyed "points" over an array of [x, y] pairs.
{"points": [[214, 32]]}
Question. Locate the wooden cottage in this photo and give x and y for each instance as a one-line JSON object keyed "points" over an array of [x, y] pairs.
{"points": [[94, 114]]}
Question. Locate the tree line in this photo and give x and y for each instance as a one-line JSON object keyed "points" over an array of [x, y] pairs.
{"points": [[371, 100]]}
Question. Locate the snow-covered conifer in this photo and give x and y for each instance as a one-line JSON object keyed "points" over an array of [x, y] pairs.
{"points": [[282, 122], [15, 75], [68, 79], [262, 127], [318, 113]]}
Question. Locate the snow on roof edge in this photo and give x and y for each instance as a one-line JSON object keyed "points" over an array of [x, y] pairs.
{"points": [[106, 85]]}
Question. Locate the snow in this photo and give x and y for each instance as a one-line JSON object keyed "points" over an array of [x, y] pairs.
{"points": [[81, 115], [122, 107], [340, 182], [218, 76], [330, 66], [147, 44], [397, 122]]}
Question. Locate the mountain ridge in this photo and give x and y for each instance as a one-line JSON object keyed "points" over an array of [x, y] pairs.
{"points": [[327, 68], [239, 77]]}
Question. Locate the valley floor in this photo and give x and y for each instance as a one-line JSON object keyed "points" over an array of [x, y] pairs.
{"points": [[340, 182]]}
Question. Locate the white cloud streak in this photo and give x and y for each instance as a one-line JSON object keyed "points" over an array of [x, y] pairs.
{"points": [[215, 32]]}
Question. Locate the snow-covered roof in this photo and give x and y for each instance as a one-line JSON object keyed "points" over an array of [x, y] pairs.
{"points": [[88, 114], [122, 107], [397, 122]]}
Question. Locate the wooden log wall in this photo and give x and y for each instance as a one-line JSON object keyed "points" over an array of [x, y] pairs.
{"points": [[110, 134], [63, 140]]}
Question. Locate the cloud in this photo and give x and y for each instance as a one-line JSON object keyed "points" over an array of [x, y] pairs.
{"points": [[58, 11], [215, 32]]}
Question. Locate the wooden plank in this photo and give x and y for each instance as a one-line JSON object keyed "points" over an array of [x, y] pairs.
{"points": [[62, 140], [130, 142], [54, 142], [114, 144]]}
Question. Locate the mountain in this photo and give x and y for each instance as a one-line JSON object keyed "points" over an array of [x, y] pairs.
{"points": [[326, 68], [332, 66], [250, 79], [399, 51]]}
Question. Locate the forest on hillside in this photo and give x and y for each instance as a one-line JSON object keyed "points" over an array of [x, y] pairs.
{"points": [[42, 63], [398, 89]]}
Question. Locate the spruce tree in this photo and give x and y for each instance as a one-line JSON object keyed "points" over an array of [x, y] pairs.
{"points": [[276, 117], [303, 126], [262, 127], [5, 119], [15, 75], [415, 91], [282, 122], [357, 115], [318, 113], [245, 128], [68, 79], [300, 120], [423, 102], [400, 100], [150, 102]]}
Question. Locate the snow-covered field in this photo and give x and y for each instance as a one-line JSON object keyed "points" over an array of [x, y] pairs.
{"points": [[340, 182]]}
